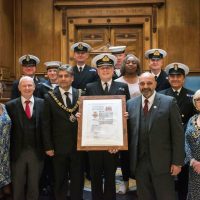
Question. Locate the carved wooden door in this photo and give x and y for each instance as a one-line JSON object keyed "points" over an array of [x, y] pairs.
{"points": [[101, 37]]}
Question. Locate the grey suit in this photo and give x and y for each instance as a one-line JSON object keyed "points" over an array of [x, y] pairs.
{"points": [[165, 146]]}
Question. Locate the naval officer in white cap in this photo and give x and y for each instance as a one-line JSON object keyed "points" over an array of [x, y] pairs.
{"points": [[176, 75], [83, 73], [28, 63], [155, 57], [119, 52], [103, 163], [52, 81]]}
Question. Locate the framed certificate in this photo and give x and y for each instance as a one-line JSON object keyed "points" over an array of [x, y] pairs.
{"points": [[102, 125]]}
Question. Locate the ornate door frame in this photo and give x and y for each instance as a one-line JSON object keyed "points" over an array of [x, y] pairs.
{"points": [[110, 12]]}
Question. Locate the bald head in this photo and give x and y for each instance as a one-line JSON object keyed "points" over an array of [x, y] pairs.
{"points": [[147, 84]]}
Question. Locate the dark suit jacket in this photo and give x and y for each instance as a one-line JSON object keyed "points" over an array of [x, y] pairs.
{"points": [[43, 88], [116, 88], [17, 132], [16, 93], [162, 81], [184, 102], [88, 75], [166, 136], [60, 134]]}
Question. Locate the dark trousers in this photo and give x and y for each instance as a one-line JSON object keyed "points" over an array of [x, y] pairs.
{"points": [[46, 180], [26, 172], [70, 165], [124, 162], [151, 186], [182, 183], [103, 166]]}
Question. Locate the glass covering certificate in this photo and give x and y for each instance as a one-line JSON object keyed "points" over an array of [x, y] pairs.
{"points": [[102, 124]]}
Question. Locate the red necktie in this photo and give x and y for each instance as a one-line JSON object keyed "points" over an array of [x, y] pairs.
{"points": [[27, 109], [145, 108]]}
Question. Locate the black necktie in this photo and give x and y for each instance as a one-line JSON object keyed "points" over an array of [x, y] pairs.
{"points": [[68, 100], [176, 94], [156, 78], [80, 69], [106, 88], [145, 108]]}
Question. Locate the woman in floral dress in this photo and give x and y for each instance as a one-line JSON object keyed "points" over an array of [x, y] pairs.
{"points": [[192, 148], [5, 125]]}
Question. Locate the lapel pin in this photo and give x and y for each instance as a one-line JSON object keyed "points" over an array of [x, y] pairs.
{"points": [[154, 107]]}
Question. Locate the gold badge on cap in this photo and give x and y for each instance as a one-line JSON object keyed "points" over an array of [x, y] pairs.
{"points": [[156, 53], [28, 58], [105, 58], [176, 67], [80, 46]]}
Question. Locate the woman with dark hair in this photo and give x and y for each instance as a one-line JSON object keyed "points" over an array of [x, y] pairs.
{"points": [[5, 125], [192, 149], [130, 71], [129, 74]]}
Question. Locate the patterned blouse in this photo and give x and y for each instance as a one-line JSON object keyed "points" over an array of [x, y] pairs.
{"points": [[192, 148], [5, 126]]}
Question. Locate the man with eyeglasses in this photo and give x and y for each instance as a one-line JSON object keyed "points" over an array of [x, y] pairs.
{"points": [[155, 58]]}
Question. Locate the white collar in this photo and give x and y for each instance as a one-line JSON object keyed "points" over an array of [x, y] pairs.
{"points": [[80, 66], [157, 75], [150, 99], [108, 82], [31, 99], [62, 91], [179, 90]]}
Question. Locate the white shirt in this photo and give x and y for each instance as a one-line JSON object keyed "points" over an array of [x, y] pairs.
{"points": [[108, 84], [81, 67], [64, 96], [157, 75], [31, 104], [179, 90], [150, 100], [54, 85], [134, 89]]}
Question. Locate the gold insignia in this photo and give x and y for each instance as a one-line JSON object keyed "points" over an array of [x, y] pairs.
{"points": [[28, 58], [80, 46], [156, 53], [105, 58], [69, 110], [176, 67]]}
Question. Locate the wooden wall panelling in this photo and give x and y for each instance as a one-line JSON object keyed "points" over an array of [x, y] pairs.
{"points": [[64, 37], [74, 23], [183, 32], [36, 31], [58, 36], [18, 36], [7, 39], [7, 69]]}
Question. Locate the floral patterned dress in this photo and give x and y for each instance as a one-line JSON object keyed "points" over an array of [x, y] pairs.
{"points": [[192, 148], [5, 126]]}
